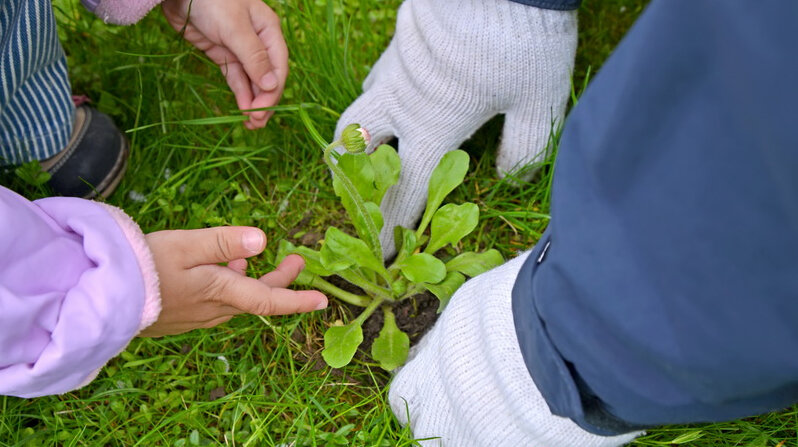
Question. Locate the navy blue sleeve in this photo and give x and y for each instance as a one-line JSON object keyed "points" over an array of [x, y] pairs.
{"points": [[665, 289], [551, 4]]}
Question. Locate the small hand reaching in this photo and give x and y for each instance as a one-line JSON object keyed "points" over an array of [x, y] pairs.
{"points": [[197, 292]]}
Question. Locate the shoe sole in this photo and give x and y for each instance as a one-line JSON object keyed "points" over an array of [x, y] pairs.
{"points": [[109, 184]]}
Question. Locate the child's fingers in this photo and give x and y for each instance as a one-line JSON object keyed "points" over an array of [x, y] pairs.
{"points": [[238, 265], [215, 245], [263, 99], [239, 84], [252, 296], [246, 45], [285, 273], [267, 26]]}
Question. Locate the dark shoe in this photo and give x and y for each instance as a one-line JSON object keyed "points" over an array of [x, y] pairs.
{"points": [[93, 162]]}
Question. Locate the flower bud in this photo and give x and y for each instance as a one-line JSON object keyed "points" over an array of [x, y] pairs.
{"points": [[355, 139]]}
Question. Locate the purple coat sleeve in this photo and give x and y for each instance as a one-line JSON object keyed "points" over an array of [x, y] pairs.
{"points": [[120, 12], [77, 283]]}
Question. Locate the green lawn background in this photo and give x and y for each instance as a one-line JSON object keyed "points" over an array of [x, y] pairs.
{"points": [[260, 381]]}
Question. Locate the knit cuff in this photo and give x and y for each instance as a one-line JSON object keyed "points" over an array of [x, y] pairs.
{"points": [[121, 12], [134, 236]]}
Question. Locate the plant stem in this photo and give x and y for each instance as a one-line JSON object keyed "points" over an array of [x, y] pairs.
{"points": [[367, 286], [341, 294], [368, 311], [371, 229], [412, 290]]}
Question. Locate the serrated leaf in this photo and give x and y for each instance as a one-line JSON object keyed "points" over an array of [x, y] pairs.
{"points": [[390, 348], [405, 243], [473, 264], [450, 224], [423, 267], [449, 173], [361, 218], [342, 249], [340, 344], [387, 165], [446, 288], [359, 170], [376, 214]]}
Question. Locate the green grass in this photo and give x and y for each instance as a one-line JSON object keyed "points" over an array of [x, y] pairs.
{"points": [[260, 381]]}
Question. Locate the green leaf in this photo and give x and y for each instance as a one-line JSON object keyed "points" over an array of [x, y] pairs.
{"points": [[347, 201], [405, 243], [423, 267], [449, 173], [341, 249], [386, 164], [312, 261], [472, 264], [360, 172], [686, 438], [450, 224], [333, 260], [446, 288], [376, 215], [340, 344], [354, 204], [390, 348]]}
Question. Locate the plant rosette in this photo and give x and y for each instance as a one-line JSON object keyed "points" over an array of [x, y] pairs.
{"points": [[361, 181]]}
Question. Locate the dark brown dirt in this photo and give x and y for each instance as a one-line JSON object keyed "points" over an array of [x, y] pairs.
{"points": [[415, 316]]}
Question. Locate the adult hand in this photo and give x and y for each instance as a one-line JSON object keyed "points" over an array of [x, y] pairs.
{"points": [[197, 292], [244, 38], [451, 66]]}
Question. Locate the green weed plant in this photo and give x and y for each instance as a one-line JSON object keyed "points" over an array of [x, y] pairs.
{"points": [[361, 181]]}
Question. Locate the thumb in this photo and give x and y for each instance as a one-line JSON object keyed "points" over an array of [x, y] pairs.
{"points": [[218, 244], [250, 50]]}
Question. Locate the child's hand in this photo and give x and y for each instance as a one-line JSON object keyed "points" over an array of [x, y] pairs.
{"points": [[196, 292], [244, 38]]}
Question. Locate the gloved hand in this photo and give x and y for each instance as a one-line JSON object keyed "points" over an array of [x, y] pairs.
{"points": [[467, 382], [451, 66]]}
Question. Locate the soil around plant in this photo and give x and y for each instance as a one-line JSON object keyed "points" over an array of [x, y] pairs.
{"points": [[414, 316]]}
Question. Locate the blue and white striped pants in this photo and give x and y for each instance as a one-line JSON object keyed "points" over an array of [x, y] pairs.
{"points": [[36, 110]]}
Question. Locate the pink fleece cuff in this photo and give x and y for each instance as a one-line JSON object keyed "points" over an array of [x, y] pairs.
{"points": [[134, 236], [124, 12]]}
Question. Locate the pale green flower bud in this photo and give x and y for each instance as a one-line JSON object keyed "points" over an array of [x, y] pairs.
{"points": [[355, 139]]}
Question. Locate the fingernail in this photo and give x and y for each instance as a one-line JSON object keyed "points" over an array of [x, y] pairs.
{"points": [[268, 81], [253, 241], [322, 305]]}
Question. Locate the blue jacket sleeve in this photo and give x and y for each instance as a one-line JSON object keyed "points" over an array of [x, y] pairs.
{"points": [[562, 5], [667, 293]]}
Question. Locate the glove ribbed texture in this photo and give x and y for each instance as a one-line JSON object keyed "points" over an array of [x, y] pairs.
{"points": [[451, 66], [468, 384]]}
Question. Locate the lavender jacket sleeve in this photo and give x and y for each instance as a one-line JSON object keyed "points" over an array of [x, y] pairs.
{"points": [[77, 283], [120, 12]]}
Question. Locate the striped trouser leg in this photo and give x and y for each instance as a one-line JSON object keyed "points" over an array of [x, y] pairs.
{"points": [[36, 110]]}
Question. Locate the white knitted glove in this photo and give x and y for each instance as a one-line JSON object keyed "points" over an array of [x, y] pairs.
{"points": [[451, 66], [468, 383]]}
